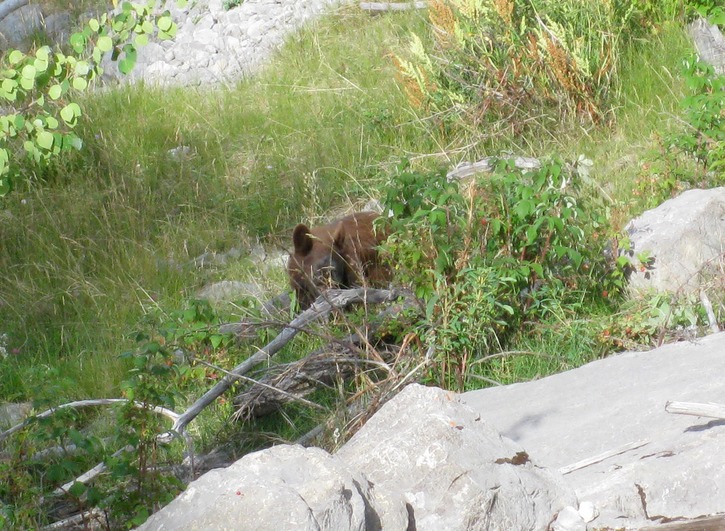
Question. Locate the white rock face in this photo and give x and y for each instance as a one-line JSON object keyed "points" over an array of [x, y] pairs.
{"points": [[434, 460], [685, 238], [218, 46], [676, 471], [283, 488], [454, 469]]}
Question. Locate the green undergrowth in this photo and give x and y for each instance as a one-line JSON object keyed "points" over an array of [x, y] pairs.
{"points": [[98, 249]]}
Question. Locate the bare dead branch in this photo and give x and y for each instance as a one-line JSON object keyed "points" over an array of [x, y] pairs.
{"points": [[338, 359], [601, 457], [92, 473], [332, 299], [714, 328], [713, 411], [87, 403], [77, 520], [487, 164]]}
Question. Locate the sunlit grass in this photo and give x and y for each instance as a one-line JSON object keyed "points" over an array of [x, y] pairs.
{"points": [[166, 175]]}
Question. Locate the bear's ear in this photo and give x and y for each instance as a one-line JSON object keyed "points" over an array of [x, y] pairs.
{"points": [[302, 239], [338, 239]]}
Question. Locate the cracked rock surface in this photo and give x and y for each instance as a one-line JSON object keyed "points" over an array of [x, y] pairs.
{"points": [[676, 473]]}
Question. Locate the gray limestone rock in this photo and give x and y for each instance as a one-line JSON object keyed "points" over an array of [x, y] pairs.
{"points": [[454, 469], [19, 25], [668, 466], [282, 488], [684, 238]]}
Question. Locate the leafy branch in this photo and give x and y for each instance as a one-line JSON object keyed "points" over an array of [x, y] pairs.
{"points": [[39, 88]]}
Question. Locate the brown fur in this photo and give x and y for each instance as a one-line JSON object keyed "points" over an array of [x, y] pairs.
{"points": [[340, 254]]}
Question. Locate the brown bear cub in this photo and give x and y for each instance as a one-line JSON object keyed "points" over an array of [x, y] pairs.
{"points": [[340, 254]]}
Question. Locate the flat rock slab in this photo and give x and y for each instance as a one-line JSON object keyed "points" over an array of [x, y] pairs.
{"points": [[678, 468]]}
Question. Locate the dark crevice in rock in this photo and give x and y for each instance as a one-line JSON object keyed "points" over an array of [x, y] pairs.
{"points": [[411, 518], [372, 519], [521, 458]]}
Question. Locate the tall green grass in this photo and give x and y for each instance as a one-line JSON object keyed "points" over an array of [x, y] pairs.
{"points": [[101, 236], [105, 236]]}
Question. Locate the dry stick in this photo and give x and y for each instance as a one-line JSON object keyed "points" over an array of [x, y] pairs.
{"points": [[713, 411], [601, 457], [715, 522], [709, 311], [75, 521], [262, 384], [92, 473], [466, 169], [87, 403], [321, 308], [248, 401]]}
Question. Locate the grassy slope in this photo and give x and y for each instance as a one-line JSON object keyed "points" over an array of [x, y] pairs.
{"points": [[102, 241]]}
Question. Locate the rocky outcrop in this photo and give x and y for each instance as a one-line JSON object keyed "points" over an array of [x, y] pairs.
{"points": [[591, 448], [215, 45], [285, 487], [683, 243], [453, 468], [668, 467], [425, 461]]}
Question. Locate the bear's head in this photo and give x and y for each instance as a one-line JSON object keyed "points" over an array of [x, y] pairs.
{"points": [[316, 263]]}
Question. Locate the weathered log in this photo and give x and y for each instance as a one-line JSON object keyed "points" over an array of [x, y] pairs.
{"points": [[715, 522], [332, 299], [713, 411], [487, 164], [391, 6]]}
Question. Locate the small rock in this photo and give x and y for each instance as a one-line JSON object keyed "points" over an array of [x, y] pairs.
{"points": [[569, 519], [230, 291], [588, 511], [13, 413]]}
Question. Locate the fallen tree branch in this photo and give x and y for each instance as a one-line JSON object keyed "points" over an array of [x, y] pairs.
{"points": [[78, 520], [601, 457], [714, 328], [339, 359], [713, 411], [715, 522], [391, 6], [92, 473], [87, 403], [332, 299]]}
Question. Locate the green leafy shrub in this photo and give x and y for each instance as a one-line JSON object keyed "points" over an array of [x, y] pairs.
{"points": [[693, 156], [505, 249]]}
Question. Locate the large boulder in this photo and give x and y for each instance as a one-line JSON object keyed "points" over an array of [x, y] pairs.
{"points": [[425, 461], [684, 242], [649, 466], [19, 25], [454, 469], [283, 488]]}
